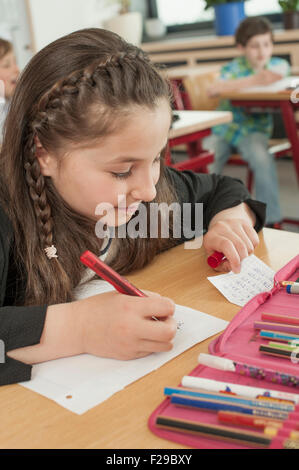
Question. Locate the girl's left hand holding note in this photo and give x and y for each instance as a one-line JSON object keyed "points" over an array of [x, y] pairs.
{"points": [[232, 233]]}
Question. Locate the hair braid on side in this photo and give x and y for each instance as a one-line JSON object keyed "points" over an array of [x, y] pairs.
{"points": [[58, 287], [64, 87], [36, 185]]}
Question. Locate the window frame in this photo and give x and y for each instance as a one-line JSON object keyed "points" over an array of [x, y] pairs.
{"points": [[152, 12]]}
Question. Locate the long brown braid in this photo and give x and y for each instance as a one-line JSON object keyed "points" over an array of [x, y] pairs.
{"points": [[36, 184], [89, 81]]}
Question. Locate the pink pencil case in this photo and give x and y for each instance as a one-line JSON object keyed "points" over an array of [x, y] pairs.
{"points": [[239, 342]]}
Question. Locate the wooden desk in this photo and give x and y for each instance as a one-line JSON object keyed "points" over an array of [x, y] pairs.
{"points": [[196, 121], [278, 99], [29, 420]]}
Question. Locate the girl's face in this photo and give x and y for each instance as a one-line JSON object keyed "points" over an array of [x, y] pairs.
{"points": [[258, 50], [123, 166], [9, 73]]}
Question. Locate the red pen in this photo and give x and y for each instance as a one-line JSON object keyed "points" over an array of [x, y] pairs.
{"points": [[215, 259], [121, 284]]}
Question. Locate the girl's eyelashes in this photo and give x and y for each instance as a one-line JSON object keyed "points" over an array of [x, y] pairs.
{"points": [[129, 172], [122, 175]]}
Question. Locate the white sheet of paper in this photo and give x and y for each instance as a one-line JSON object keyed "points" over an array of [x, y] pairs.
{"points": [[280, 85], [79, 383], [255, 277]]}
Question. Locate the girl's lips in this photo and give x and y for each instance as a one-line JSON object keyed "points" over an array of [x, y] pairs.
{"points": [[130, 209]]}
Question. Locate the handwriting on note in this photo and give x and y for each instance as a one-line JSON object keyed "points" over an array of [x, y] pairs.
{"points": [[255, 277]]}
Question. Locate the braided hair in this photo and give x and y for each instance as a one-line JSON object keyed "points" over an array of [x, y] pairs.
{"points": [[76, 90]]}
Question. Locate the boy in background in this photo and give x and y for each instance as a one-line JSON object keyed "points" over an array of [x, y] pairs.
{"points": [[249, 133], [9, 73]]}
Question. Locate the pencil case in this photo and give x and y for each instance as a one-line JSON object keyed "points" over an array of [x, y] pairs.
{"points": [[239, 342]]}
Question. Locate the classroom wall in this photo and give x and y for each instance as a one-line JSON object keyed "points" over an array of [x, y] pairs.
{"points": [[52, 19], [15, 27], [55, 18]]}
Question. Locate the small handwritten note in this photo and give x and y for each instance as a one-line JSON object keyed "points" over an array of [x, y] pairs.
{"points": [[255, 277]]}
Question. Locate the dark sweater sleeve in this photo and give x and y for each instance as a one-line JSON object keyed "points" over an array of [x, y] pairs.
{"points": [[19, 326], [216, 192]]}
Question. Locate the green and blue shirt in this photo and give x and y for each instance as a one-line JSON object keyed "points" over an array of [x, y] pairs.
{"points": [[245, 122]]}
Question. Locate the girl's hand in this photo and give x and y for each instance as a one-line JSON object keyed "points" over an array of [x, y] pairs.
{"points": [[120, 326], [235, 238]]}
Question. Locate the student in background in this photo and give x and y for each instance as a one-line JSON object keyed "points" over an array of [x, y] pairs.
{"points": [[91, 128], [249, 132], [9, 73]]}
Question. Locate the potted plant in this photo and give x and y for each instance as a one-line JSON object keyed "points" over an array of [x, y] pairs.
{"points": [[290, 13], [228, 15], [128, 24]]}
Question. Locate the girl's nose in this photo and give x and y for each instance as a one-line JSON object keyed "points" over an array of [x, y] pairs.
{"points": [[145, 189]]}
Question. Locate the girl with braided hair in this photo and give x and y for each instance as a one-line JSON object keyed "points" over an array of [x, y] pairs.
{"points": [[89, 122]]}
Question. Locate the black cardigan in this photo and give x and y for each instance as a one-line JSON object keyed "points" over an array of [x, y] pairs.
{"points": [[23, 326]]}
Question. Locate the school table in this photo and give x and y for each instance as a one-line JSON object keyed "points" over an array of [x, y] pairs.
{"points": [[190, 128], [31, 421], [191, 122], [273, 100]]}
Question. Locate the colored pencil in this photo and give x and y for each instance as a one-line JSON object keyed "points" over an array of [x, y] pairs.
{"points": [[282, 327], [285, 346], [241, 419], [221, 432], [273, 317], [270, 428], [259, 403], [276, 335], [271, 351], [217, 405]]}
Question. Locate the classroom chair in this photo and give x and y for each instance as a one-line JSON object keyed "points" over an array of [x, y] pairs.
{"points": [[198, 159]]}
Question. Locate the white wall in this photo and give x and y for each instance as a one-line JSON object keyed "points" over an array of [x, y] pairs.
{"points": [[52, 19], [14, 26]]}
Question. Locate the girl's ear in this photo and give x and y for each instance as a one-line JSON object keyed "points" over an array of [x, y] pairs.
{"points": [[47, 163], [240, 48]]}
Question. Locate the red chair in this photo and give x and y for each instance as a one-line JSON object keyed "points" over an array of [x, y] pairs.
{"points": [[198, 158]]}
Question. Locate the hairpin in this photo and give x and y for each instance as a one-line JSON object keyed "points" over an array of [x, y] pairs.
{"points": [[51, 252]]}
